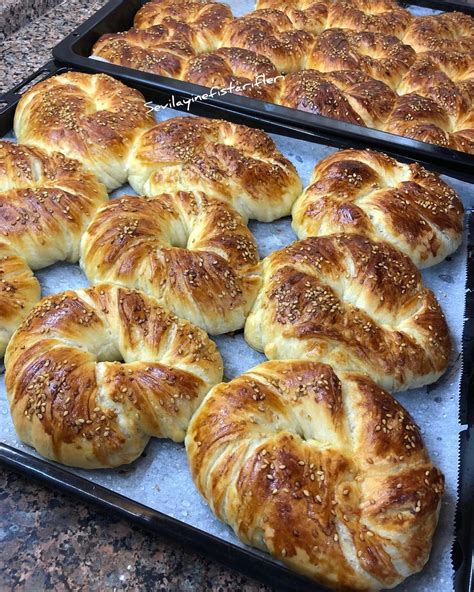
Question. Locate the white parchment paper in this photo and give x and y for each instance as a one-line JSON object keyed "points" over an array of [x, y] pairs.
{"points": [[161, 480]]}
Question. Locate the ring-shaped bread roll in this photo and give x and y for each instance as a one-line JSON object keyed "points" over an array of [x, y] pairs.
{"points": [[378, 16], [241, 71], [321, 468], [194, 254], [72, 399], [200, 23], [448, 31], [383, 57], [46, 202], [368, 193], [233, 163], [90, 117], [309, 15], [270, 33], [157, 50], [356, 304]]}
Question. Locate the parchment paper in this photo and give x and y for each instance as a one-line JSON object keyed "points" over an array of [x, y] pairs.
{"points": [[160, 479]]}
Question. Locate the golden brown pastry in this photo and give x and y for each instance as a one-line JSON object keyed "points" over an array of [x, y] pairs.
{"points": [[379, 16], [200, 23], [383, 57], [322, 469], [356, 304], [270, 33], [92, 374], [19, 292], [194, 254], [350, 96], [46, 202], [309, 15], [90, 117], [230, 162], [157, 50], [448, 31], [241, 70], [368, 193]]}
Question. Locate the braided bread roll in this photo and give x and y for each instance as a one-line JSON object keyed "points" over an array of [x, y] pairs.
{"points": [[90, 117], [270, 33], [321, 468], [74, 401], [201, 23], [157, 50], [368, 193], [352, 303], [448, 31], [309, 15], [19, 291], [194, 254], [230, 162]]}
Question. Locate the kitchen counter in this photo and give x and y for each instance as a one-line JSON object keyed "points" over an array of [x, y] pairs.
{"points": [[51, 541]]}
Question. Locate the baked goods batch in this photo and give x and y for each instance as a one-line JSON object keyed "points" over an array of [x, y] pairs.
{"points": [[304, 456], [311, 55]]}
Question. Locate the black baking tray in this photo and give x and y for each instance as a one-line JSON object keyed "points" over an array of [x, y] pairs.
{"points": [[245, 559], [117, 15]]}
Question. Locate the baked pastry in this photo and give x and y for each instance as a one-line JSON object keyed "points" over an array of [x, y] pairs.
{"points": [[242, 71], [322, 469], [309, 15], [194, 254], [46, 202], [200, 22], [19, 292], [356, 304], [90, 117], [448, 31], [350, 96], [230, 162], [270, 33], [75, 402], [157, 50], [379, 16], [368, 193], [383, 57], [422, 118]]}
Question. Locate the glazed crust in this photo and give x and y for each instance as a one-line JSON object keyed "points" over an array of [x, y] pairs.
{"points": [[90, 117], [270, 33], [352, 303], [309, 15], [246, 72], [449, 31], [157, 50], [378, 16], [325, 471], [230, 162], [74, 404], [200, 23], [194, 254], [383, 57], [368, 193]]}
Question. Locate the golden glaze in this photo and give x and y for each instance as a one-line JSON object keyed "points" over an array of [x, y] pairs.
{"points": [[157, 50], [70, 397], [270, 33], [321, 468], [229, 162], [243, 70], [200, 23], [90, 117], [309, 15], [194, 254], [352, 303], [368, 193]]}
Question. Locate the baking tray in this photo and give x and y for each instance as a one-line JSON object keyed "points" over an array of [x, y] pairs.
{"points": [[253, 562], [117, 15]]}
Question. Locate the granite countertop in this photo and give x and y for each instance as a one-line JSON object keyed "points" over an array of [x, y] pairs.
{"points": [[51, 541]]}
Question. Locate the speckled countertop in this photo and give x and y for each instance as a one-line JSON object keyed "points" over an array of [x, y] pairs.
{"points": [[50, 541]]}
